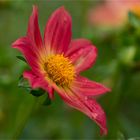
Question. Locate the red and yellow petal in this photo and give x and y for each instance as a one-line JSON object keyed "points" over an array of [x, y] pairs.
{"points": [[76, 44], [58, 31], [38, 82], [82, 54], [33, 32], [89, 88], [84, 104], [29, 51]]}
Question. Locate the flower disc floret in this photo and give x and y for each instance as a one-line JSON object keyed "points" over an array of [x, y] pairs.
{"points": [[60, 70]]}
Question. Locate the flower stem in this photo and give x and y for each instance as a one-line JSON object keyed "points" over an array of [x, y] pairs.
{"points": [[24, 119]]}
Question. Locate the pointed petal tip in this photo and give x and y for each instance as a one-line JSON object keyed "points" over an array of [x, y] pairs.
{"points": [[35, 7], [108, 89], [18, 41], [33, 30], [103, 132], [62, 8], [15, 44], [35, 10], [95, 48]]}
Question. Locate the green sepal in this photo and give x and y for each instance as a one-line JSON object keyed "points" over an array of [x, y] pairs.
{"points": [[21, 58], [23, 83], [47, 101], [37, 92]]}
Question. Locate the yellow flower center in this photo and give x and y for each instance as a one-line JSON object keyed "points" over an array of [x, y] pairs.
{"points": [[60, 70]]}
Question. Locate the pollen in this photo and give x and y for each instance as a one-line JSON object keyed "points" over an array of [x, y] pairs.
{"points": [[60, 70]]}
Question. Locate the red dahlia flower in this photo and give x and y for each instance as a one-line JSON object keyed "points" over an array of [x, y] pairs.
{"points": [[56, 63]]}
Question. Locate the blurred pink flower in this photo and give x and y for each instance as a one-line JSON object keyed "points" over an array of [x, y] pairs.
{"points": [[57, 61], [113, 12]]}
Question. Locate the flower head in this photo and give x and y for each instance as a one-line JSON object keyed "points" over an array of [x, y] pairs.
{"points": [[113, 13], [56, 62]]}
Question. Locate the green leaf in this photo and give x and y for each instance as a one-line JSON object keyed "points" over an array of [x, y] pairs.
{"points": [[23, 83], [47, 101], [37, 92], [21, 58], [134, 20], [126, 55], [135, 138], [120, 136]]}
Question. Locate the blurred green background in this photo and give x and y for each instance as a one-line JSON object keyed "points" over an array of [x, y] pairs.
{"points": [[117, 66]]}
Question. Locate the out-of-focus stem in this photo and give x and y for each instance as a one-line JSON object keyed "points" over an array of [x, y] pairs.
{"points": [[24, 119]]}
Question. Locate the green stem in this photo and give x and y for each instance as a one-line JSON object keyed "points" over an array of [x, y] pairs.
{"points": [[24, 119]]}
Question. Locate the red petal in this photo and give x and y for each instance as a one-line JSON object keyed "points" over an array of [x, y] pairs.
{"points": [[29, 51], [33, 31], [82, 53], [84, 104], [58, 31], [38, 82], [76, 44], [89, 88]]}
